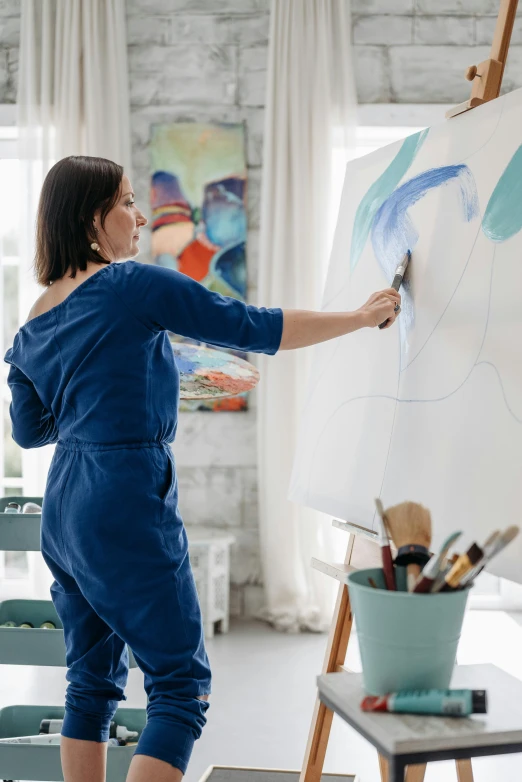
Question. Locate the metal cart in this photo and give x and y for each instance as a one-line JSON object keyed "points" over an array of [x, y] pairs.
{"points": [[25, 646]]}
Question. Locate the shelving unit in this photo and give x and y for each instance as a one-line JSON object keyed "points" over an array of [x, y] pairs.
{"points": [[38, 646]]}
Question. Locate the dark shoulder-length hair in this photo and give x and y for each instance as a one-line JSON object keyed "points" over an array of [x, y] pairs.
{"points": [[73, 190]]}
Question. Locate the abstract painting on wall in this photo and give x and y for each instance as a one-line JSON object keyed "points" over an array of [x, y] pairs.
{"points": [[429, 410], [199, 222]]}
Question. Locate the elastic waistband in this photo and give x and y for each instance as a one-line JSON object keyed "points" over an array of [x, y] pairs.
{"points": [[82, 445]]}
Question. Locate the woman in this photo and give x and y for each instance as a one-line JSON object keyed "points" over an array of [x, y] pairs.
{"points": [[92, 370]]}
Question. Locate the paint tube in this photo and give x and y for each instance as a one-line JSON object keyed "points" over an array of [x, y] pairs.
{"points": [[43, 739], [450, 703], [52, 738], [50, 726]]}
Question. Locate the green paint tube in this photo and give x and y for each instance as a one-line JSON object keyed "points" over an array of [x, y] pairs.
{"points": [[449, 703]]}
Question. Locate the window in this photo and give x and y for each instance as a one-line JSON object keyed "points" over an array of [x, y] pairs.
{"points": [[13, 564], [10, 205]]}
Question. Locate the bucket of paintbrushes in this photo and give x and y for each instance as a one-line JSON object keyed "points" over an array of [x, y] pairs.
{"points": [[407, 641]]}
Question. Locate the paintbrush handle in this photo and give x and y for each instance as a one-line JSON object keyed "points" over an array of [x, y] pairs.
{"points": [[397, 281], [387, 566], [413, 574]]}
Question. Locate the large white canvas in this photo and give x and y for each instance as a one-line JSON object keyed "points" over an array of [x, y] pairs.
{"points": [[430, 411]]}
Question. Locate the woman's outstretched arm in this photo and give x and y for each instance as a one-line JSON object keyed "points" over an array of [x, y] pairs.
{"points": [[302, 327]]}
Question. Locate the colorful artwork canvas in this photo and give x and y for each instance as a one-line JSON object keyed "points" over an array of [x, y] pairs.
{"points": [[431, 409], [199, 221]]}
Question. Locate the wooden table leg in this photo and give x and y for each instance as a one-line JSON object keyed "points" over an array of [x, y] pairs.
{"points": [[413, 773], [464, 770], [416, 773]]}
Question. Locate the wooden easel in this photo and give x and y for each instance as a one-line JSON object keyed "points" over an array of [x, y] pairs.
{"points": [[363, 550], [487, 76]]}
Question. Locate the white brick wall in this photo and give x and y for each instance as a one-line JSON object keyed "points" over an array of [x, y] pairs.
{"points": [[9, 42], [416, 51]]}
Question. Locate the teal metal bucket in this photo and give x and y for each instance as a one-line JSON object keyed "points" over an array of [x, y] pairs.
{"points": [[406, 641]]}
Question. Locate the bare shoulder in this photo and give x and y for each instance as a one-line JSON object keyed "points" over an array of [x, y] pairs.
{"points": [[41, 305], [51, 296], [59, 290]]}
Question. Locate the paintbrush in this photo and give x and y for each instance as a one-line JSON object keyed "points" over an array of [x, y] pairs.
{"points": [[488, 548], [463, 565], [501, 540], [434, 567], [409, 525], [397, 280], [384, 543]]}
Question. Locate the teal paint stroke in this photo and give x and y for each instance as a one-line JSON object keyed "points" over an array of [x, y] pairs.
{"points": [[379, 192], [503, 215]]}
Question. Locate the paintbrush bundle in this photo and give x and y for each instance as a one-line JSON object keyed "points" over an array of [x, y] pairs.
{"points": [[409, 526]]}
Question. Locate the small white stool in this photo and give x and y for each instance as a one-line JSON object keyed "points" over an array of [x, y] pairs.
{"points": [[210, 561]]}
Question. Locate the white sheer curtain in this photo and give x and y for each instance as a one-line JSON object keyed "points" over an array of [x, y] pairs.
{"points": [[310, 93], [73, 99]]}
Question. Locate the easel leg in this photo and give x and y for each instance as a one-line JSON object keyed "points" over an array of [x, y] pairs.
{"points": [[335, 656], [464, 770]]}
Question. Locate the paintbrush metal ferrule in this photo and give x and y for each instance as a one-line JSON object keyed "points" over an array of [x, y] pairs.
{"points": [[400, 271], [462, 566], [488, 548], [428, 574], [433, 568]]}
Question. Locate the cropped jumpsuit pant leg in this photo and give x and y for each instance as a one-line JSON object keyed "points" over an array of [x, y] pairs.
{"points": [[115, 543]]}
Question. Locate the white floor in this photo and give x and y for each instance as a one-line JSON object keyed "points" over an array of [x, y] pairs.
{"points": [[264, 692]]}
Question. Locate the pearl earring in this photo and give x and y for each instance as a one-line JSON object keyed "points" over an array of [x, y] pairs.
{"points": [[95, 246]]}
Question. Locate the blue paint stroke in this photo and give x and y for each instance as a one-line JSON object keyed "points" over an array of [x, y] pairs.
{"points": [[503, 215], [380, 190], [393, 232]]}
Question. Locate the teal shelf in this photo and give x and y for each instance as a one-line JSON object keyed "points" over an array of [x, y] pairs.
{"points": [[26, 646], [19, 531], [42, 762], [21, 500]]}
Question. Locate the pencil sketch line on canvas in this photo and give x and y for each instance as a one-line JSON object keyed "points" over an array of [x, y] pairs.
{"points": [[502, 388], [446, 307], [398, 400]]}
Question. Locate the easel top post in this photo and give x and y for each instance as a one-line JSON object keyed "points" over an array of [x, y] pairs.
{"points": [[487, 76]]}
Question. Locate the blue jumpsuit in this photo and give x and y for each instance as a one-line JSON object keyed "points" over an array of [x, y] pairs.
{"points": [[96, 375]]}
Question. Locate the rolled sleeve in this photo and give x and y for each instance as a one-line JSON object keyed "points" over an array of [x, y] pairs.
{"points": [[166, 299]]}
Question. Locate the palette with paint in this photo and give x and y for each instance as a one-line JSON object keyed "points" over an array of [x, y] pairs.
{"points": [[207, 373]]}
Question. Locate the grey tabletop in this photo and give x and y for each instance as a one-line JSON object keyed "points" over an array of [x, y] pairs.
{"points": [[401, 734]]}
